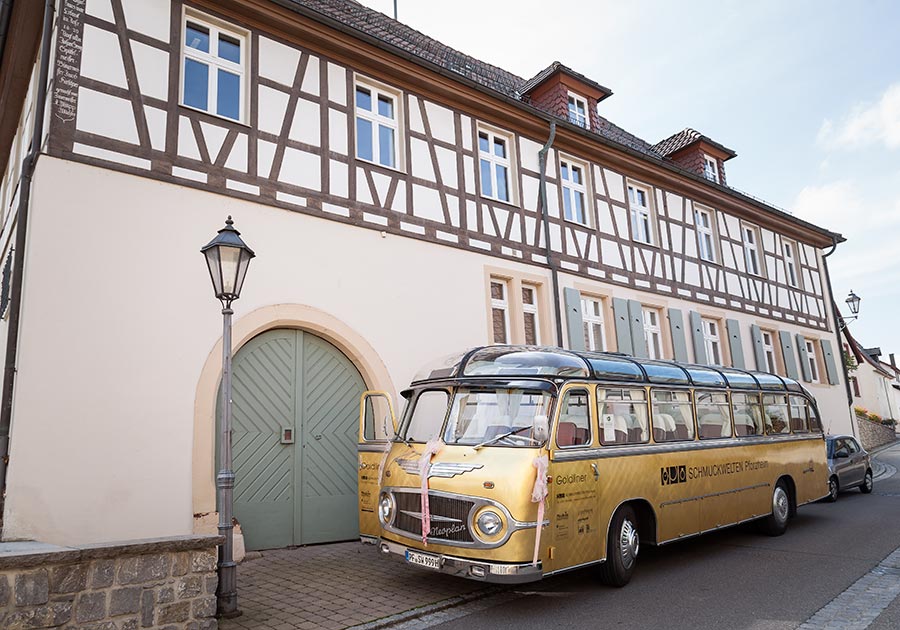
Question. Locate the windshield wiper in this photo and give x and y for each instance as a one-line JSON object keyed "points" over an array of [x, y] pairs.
{"points": [[497, 438]]}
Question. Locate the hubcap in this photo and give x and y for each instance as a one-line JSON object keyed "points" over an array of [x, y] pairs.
{"points": [[780, 504], [629, 543], [832, 487], [868, 481]]}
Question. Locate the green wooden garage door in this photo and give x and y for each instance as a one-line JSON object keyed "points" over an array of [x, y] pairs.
{"points": [[305, 492]]}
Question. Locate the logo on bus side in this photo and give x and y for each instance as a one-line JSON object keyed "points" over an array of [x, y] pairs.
{"points": [[672, 474]]}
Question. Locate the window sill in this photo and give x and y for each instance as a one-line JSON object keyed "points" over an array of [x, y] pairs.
{"points": [[495, 200], [392, 169], [217, 117], [578, 223]]}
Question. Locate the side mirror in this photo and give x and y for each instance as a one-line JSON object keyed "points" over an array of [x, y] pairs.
{"points": [[541, 428]]}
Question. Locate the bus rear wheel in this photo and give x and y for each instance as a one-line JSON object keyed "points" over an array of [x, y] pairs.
{"points": [[776, 523], [622, 547]]}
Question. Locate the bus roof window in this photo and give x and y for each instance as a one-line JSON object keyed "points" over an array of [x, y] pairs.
{"points": [[739, 380], [793, 385], [445, 367], [613, 368], [665, 373], [705, 376], [508, 361], [769, 381]]}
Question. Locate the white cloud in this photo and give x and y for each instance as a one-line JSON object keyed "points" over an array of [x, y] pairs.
{"points": [[867, 124]]}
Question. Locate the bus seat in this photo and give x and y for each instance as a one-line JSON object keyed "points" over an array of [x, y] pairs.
{"points": [[494, 430], [711, 425], [635, 430], [743, 424], [582, 435], [663, 427], [621, 427], [565, 434]]}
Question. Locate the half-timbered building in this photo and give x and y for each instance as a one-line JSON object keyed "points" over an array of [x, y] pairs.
{"points": [[404, 200]]}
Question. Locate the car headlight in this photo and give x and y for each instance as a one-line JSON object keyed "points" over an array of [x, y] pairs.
{"points": [[489, 523], [385, 508]]}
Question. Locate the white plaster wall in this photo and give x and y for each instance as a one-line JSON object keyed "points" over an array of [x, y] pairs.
{"points": [[116, 329], [876, 393]]}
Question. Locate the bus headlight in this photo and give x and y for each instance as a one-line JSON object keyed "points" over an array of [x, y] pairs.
{"points": [[489, 523], [385, 508]]}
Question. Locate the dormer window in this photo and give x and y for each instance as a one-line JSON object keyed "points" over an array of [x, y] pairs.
{"points": [[578, 111], [710, 168]]}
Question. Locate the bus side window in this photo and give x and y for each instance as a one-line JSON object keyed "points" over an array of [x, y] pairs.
{"points": [[673, 416], [574, 427], [815, 424], [776, 414], [713, 415], [623, 416], [747, 414], [799, 418]]}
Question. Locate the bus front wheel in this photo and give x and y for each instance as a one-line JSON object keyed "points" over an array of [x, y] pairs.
{"points": [[622, 547], [776, 523]]}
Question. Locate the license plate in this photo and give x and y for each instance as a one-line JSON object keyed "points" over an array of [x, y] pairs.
{"points": [[423, 559]]}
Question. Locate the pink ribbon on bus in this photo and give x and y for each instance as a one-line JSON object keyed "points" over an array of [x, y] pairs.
{"points": [[431, 448], [538, 494]]}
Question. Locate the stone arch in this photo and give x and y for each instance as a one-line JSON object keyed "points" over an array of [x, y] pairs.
{"points": [[245, 328]]}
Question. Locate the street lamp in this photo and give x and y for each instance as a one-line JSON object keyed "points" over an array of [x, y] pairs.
{"points": [[228, 258], [852, 301]]}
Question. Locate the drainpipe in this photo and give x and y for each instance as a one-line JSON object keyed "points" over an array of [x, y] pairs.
{"points": [[542, 165], [838, 321], [18, 253], [5, 16]]}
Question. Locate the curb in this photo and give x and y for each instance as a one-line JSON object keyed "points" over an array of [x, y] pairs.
{"points": [[421, 611]]}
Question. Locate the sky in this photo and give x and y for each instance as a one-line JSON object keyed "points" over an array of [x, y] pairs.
{"points": [[806, 92]]}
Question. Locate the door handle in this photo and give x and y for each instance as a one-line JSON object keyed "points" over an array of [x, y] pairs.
{"points": [[317, 437], [596, 472]]}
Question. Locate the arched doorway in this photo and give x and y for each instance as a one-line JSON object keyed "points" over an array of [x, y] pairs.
{"points": [[295, 407]]}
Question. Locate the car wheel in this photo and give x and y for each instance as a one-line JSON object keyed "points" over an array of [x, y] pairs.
{"points": [[776, 523], [868, 483], [622, 547], [833, 489]]}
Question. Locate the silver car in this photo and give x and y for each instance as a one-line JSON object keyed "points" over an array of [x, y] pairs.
{"points": [[848, 466]]}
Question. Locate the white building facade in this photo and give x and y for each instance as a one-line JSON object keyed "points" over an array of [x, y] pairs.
{"points": [[392, 190]]}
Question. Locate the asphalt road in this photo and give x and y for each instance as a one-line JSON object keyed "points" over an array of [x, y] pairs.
{"points": [[734, 579]]}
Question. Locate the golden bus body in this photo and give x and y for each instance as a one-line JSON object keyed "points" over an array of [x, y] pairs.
{"points": [[638, 452]]}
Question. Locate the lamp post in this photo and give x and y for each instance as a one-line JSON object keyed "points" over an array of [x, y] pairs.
{"points": [[228, 258], [852, 301]]}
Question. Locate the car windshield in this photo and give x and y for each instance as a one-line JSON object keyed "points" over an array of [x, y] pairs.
{"points": [[505, 417]]}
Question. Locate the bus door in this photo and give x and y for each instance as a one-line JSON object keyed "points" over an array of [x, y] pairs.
{"points": [[574, 531], [377, 426]]}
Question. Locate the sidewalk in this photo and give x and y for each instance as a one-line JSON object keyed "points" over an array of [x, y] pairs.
{"points": [[338, 586]]}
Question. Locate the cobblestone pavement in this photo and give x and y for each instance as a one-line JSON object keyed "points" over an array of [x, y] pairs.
{"points": [[335, 586]]}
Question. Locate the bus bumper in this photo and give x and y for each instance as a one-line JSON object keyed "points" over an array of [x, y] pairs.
{"points": [[497, 573]]}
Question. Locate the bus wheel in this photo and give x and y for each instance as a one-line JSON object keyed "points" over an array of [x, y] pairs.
{"points": [[622, 546], [833, 489], [776, 523], [867, 483]]}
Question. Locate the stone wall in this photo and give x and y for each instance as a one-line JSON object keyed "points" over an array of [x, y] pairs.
{"points": [[161, 584], [873, 434]]}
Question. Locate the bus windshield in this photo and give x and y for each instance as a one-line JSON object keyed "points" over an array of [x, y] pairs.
{"points": [[505, 417]]}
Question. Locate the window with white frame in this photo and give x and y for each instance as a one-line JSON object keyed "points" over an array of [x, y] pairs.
{"points": [[768, 344], [499, 310], [530, 315], [578, 112], [377, 129], [641, 214], [751, 250], [813, 361], [712, 341], [652, 332], [711, 168], [214, 62], [574, 191], [592, 318], [494, 165], [703, 219], [790, 264]]}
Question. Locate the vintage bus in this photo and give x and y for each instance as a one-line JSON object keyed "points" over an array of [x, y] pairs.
{"points": [[541, 460]]}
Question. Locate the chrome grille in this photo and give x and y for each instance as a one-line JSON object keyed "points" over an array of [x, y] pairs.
{"points": [[449, 516]]}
